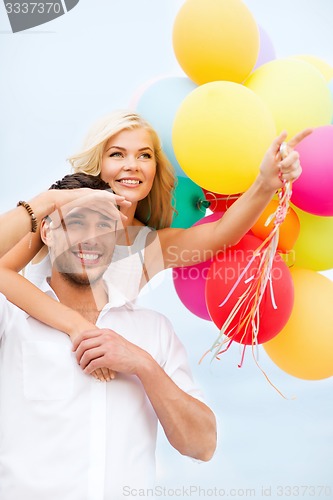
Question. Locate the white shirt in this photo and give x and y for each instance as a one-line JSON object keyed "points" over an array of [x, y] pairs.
{"points": [[65, 435]]}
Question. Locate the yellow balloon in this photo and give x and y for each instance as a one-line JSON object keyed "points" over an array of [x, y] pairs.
{"points": [[325, 69], [304, 347], [314, 246], [220, 133], [295, 92], [216, 40]]}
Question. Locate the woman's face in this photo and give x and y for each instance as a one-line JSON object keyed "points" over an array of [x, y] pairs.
{"points": [[129, 164]]}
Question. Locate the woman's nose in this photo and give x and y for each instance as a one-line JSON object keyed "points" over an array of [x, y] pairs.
{"points": [[131, 163]]}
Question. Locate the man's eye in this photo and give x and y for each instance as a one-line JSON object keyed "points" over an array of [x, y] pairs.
{"points": [[106, 225], [74, 223]]}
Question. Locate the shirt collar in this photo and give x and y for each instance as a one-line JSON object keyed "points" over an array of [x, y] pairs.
{"points": [[116, 298]]}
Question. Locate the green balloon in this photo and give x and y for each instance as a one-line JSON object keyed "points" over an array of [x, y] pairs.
{"points": [[190, 203]]}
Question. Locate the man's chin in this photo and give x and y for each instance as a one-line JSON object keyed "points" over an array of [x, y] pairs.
{"points": [[83, 279]]}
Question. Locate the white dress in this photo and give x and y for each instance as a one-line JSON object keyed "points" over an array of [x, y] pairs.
{"points": [[124, 272]]}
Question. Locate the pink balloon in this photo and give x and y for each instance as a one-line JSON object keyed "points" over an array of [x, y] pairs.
{"points": [[209, 218], [190, 281], [313, 191], [190, 284]]}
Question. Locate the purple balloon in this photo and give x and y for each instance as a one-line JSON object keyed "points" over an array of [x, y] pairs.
{"points": [[266, 49]]}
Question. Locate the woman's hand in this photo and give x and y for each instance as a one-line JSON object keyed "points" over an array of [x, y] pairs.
{"points": [[102, 201], [274, 170]]}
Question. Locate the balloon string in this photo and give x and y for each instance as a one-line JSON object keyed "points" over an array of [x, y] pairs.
{"points": [[268, 379], [240, 364], [248, 304]]}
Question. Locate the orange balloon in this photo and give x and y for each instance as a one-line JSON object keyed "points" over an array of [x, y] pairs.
{"points": [[288, 230], [304, 346]]}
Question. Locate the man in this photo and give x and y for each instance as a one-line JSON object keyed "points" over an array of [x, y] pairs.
{"points": [[63, 434]]}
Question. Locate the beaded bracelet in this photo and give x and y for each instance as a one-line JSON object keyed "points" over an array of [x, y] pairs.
{"points": [[34, 223]]}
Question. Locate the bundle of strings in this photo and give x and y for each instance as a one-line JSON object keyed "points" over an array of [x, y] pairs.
{"points": [[247, 306]]}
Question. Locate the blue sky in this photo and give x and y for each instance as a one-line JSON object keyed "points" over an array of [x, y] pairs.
{"points": [[56, 79]]}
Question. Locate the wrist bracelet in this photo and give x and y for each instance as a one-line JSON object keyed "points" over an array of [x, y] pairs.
{"points": [[34, 223]]}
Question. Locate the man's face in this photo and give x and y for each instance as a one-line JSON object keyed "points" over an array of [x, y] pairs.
{"points": [[81, 245]]}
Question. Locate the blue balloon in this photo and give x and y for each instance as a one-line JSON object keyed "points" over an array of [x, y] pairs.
{"points": [[159, 104]]}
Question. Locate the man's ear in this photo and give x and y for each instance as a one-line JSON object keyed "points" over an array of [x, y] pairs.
{"points": [[45, 231]]}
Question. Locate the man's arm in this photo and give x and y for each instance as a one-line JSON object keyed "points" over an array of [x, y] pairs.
{"points": [[188, 423]]}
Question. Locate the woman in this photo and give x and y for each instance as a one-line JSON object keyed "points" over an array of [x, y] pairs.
{"points": [[125, 152]]}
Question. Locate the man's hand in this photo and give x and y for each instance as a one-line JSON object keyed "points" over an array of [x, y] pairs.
{"points": [[80, 327], [105, 348], [188, 423]]}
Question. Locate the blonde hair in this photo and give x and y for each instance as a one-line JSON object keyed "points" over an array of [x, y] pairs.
{"points": [[156, 209]]}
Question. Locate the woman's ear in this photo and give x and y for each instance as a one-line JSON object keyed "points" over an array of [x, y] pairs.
{"points": [[46, 232]]}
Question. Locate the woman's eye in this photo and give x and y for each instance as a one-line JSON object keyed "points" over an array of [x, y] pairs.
{"points": [[116, 154], [146, 155]]}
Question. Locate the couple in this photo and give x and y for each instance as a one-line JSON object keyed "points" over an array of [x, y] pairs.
{"points": [[81, 438]]}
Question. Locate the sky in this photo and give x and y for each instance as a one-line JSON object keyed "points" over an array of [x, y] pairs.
{"points": [[56, 80]]}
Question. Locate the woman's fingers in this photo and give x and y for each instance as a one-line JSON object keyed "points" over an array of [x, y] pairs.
{"points": [[299, 137]]}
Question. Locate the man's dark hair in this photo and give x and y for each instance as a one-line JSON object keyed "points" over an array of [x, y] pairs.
{"points": [[80, 180]]}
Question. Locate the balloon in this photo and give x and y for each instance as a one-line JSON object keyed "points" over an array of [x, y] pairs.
{"points": [[220, 134], [325, 69], [266, 49], [190, 281], [295, 92], [288, 230], [215, 40], [142, 89], [304, 347], [220, 202], [314, 246], [223, 275], [330, 86], [189, 202], [158, 105], [313, 191]]}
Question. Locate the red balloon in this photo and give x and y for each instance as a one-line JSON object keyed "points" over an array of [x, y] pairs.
{"points": [[222, 277], [220, 202]]}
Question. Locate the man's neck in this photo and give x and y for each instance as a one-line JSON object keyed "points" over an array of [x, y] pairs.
{"points": [[87, 300]]}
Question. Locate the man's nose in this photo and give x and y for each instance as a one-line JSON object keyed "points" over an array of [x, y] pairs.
{"points": [[90, 237]]}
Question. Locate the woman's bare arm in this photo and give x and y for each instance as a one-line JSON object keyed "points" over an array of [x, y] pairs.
{"points": [[184, 247]]}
